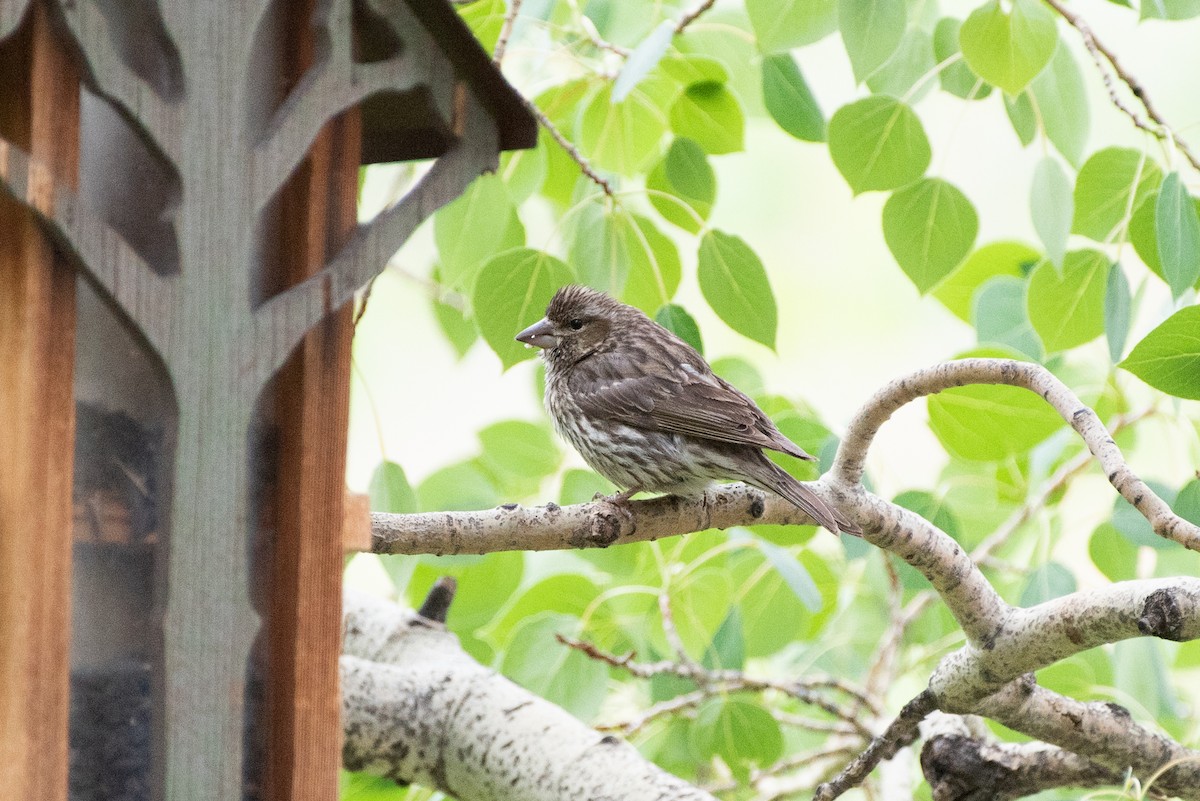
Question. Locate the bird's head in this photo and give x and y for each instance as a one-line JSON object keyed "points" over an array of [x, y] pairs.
{"points": [[579, 322]]}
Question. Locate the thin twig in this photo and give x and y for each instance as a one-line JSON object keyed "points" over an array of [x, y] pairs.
{"points": [[510, 22], [362, 304], [567, 145], [691, 16], [902, 731], [724, 681], [1098, 49]]}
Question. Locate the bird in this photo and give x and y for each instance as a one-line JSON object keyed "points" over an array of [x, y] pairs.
{"points": [[646, 411]]}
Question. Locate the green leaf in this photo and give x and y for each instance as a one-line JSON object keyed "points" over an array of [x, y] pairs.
{"points": [[685, 174], [512, 292], [737, 730], [1178, 230], [389, 490], [457, 488], [1062, 102], [728, 648], [654, 267], [871, 31], [735, 285], [996, 258], [475, 227], [789, 101], [644, 58], [878, 143], [990, 423], [599, 251], [524, 171], [793, 573], [1140, 673], [699, 605], [1067, 308], [1170, 9], [957, 78], [1114, 555], [676, 320], [1021, 114], [1143, 233], [1008, 50], [485, 19], [1047, 582], [519, 447], [691, 68], [1168, 359], [929, 227], [910, 62], [1052, 207], [1001, 317], [623, 136], [710, 115], [781, 25], [1110, 185], [564, 593], [1118, 310], [459, 330], [933, 509], [539, 663]]}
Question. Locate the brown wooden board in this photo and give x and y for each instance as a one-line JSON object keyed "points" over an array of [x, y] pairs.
{"points": [[38, 111]]}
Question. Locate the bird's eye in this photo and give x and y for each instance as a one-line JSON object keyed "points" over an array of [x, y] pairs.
{"points": [[576, 324]]}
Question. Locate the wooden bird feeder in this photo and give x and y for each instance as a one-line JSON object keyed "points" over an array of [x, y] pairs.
{"points": [[179, 252]]}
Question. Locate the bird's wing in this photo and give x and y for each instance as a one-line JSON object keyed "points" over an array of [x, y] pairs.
{"points": [[685, 399]]}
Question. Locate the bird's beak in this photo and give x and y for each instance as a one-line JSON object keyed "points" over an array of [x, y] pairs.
{"points": [[539, 335]]}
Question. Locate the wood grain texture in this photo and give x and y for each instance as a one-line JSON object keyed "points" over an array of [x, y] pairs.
{"points": [[38, 109], [318, 210]]}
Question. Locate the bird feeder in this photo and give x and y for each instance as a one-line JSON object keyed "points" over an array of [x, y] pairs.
{"points": [[179, 252]]}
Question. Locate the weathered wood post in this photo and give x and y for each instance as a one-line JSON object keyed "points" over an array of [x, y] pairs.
{"points": [[216, 220]]}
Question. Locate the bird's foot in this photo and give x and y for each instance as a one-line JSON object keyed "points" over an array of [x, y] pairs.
{"points": [[615, 517]]}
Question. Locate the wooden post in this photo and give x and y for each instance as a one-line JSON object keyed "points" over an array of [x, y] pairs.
{"points": [[39, 110], [312, 405]]}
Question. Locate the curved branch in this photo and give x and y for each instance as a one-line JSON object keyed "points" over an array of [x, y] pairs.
{"points": [[848, 465], [1103, 732], [101, 253], [1049, 632], [416, 707], [280, 323]]}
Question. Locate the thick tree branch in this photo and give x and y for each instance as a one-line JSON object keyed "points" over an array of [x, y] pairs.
{"points": [[416, 707], [1103, 732], [1044, 634], [961, 768], [851, 456], [100, 252]]}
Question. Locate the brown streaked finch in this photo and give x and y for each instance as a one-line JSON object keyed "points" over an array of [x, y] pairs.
{"points": [[645, 410]]}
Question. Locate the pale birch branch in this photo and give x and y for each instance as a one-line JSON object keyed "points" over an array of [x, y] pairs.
{"points": [[417, 708]]}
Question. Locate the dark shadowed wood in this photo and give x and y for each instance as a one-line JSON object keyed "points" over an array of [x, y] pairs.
{"points": [[39, 111]]}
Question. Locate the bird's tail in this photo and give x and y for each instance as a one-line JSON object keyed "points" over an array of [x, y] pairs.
{"points": [[773, 478]]}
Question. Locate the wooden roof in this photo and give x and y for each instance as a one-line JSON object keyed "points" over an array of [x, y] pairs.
{"points": [[401, 127]]}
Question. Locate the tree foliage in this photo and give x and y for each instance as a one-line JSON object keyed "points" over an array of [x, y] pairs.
{"points": [[1105, 299]]}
